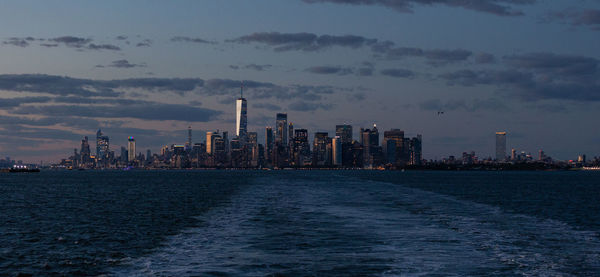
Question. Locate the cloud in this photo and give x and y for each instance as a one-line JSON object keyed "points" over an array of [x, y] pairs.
{"points": [[71, 41], [234, 67], [20, 42], [588, 17], [303, 106], [121, 37], [484, 58], [147, 111], [492, 104], [258, 67], [304, 41], [125, 64], [398, 73], [496, 7], [435, 57], [92, 46], [144, 43], [563, 65], [330, 70], [15, 102], [190, 39], [365, 71]]}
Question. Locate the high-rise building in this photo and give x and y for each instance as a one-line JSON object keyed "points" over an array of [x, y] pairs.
{"points": [[500, 146], [268, 144], [291, 132], [241, 116], [393, 142], [321, 156], [337, 151], [209, 142], [102, 146], [281, 132], [300, 151], [344, 132], [131, 149], [188, 144], [253, 148], [85, 150], [371, 149]]}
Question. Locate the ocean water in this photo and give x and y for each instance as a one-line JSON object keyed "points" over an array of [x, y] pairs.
{"points": [[300, 223]]}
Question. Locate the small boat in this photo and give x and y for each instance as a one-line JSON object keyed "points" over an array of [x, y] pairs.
{"points": [[591, 168]]}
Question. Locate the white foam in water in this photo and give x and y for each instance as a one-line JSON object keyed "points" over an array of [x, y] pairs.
{"points": [[344, 226]]}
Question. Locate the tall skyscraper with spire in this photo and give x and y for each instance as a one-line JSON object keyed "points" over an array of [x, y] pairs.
{"points": [[241, 116]]}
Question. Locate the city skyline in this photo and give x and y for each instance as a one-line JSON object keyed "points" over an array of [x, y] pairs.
{"points": [[528, 68]]}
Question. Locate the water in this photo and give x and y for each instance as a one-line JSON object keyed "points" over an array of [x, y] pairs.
{"points": [[300, 223]]}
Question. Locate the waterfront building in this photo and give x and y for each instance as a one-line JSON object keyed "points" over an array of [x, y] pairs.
{"points": [[344, 132], [268, 153], [241, 117], [393, 147], [102, 146], [500, 146], [301, 148], [337, 151], [321, 155], [281, 132], [131, 149]]}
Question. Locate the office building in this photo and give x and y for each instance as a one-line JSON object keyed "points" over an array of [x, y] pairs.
{"points": [[500, 146], [344, 132], [241, 117], [337, 151], [131, 150], [281, 129]]}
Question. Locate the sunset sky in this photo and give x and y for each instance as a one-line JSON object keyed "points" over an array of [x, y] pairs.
{"points": [[150, 69]]}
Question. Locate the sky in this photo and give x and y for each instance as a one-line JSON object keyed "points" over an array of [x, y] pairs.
{"points": [[150, 69]]}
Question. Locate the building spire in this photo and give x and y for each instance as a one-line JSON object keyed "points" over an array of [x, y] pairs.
{"points": [[242, 90]]}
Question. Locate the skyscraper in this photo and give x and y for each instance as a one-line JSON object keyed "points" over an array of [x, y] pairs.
{"points": [[268, 144], [344, 132], [281, 129], [188, 145], [337, 151], [393, 142], [241, 116], [102, 145], [500, 146], [209, 142], [131, 150]]}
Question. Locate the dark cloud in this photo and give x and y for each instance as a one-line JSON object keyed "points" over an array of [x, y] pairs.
{"points": [[125, 64], [536, 81], [21, 42], [235, 67], [15, 102], [121, 37], [258, 67], [59, 85], [563, 65], [398, 73], [144, 43], [266, 106], [365, 71], [92, 46], [330, 70], [492, 104], [435, 57], [190, 39], [303, 106], [147, 111], [49, 45], [484, 58], [304, 41], [71, 41], [496, 7], [483, 77], [588, 17]]}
